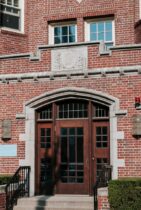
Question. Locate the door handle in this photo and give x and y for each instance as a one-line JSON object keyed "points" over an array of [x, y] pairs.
{"points": [[93, 158]]}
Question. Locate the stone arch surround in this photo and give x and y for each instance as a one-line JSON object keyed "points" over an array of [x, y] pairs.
{"points": [[70, 93]]}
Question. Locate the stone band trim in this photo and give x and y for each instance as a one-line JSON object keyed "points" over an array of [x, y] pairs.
{"points": [[101, 72], [36, 56]]}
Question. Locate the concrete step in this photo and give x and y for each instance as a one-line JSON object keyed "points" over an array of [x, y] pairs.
{"points": [[49, 208], [57, 202]]}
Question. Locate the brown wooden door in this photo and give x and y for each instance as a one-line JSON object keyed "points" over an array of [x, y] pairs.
{"points": [[72, 171], [44, 159], [101, 147]]}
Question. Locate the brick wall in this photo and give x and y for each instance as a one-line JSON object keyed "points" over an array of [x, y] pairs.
{"points": [[14, 95], [38, 14], [103, 203]]}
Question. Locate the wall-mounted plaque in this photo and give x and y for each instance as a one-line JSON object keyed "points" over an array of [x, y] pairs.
{"points": [[6, 129], [69, 58], [8, 150]]}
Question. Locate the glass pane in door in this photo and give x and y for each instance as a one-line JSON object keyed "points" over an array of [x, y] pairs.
{"points": [[72, 163]]}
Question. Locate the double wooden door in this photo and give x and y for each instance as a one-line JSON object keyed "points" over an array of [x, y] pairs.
{"points": [[69, 157]]}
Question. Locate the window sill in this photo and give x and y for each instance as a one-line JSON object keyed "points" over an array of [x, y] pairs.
{"points": [[4, 30]]}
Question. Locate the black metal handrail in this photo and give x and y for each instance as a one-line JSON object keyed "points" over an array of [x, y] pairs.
{"points": [[18, 186], [102, 181]]}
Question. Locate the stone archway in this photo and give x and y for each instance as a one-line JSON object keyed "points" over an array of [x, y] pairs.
{"points": [[69, 93]]}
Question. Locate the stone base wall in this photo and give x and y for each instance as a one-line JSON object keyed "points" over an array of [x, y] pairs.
{"points": [[103, 203]]}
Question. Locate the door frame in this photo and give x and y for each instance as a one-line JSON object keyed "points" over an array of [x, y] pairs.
{"points": [[76, 188], [90, 142]]}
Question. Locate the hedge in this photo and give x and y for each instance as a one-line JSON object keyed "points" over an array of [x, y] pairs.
{"points": [[4, 179], [125, 194]]}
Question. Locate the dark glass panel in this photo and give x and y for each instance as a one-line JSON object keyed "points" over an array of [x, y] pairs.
{"points": [[104, 130], [72, 30], [57, 40], [80, 167], [98, 130], [98, 144], [42, 131], [63, 131], [71, 114], [16, 3], [64, 39], [98, 138], [80, 180], [48, 132], [72, 149], [71, 38], [72, 173], [57, 31], [80, 149], [63, 149], [72, 131], [64, 180], [105, 144], [65, 30], [73, 110], [71, 180], [42, 139], [80, 173], [9, 21], [72, 167], [64, 167], [64, 173], [80, 114], [65, 114], [9, 2], [79, 131], [105, 138]]}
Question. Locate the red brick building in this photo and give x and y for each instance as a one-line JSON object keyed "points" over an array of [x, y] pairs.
{"points": [[69, 74]]}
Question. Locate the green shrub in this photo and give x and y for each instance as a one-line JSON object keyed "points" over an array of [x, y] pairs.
{"points": [[125, 194], [4, 179]]}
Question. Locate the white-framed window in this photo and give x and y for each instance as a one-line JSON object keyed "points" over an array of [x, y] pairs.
{"points": [[11, 14], [100, 30], [62, 33]]}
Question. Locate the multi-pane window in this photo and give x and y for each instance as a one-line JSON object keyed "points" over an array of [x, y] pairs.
{"points": [[45, 137], [64, 34], [102, 31], [72, 157], [101, 111], [102, 136], [10, 14], [45, 113], [73, 110]]}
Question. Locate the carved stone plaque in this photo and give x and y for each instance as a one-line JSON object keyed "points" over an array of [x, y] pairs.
{"points": [[79, 1], [137, 125], [70, 58], [6, 129]]}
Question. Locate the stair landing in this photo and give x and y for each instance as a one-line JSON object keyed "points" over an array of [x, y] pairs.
{"points": [[56, 202]]}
